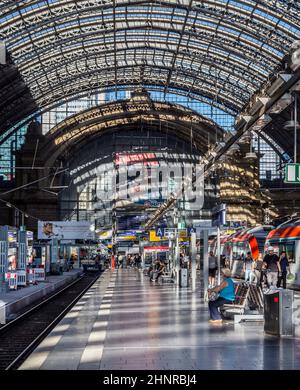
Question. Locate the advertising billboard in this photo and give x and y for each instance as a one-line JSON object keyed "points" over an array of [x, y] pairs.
{"points": [[65, 230]]}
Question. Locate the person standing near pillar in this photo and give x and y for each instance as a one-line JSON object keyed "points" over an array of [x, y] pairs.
{"points": [[212, 268], [247, 267], [272, 264], [284, 265]]}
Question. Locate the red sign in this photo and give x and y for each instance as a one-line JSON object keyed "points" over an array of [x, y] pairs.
{"points": [[130, 159]]}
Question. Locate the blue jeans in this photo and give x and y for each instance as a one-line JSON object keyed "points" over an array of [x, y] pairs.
{"points": [[248, 275], [213, 308]]}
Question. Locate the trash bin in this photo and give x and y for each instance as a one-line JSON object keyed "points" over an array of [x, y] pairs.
{"points": [[278, 312], [183, 277]]}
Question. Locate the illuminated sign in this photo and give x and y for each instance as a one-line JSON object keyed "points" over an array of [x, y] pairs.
{"points": [[143, 158], [12, 236], [156, 248], [153, 237], [67, 230]]}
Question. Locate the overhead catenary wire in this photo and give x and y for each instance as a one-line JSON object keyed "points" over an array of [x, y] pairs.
{"points": [[33, 182], [10, 205]]}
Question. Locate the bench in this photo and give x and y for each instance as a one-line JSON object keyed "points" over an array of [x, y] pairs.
{"points": [[241, 295], [248, 297], [167, 278]]}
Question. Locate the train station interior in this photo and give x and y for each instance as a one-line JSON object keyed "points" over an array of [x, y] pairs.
{"points": [[149, 185]]}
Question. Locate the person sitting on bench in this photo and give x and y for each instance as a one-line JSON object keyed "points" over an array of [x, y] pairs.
{"points": [[226, 295], [160, 269]]}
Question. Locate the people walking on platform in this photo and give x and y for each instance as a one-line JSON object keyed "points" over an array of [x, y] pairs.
{"points": [[226, 295], [284, 265], [212, 268], [256, 275], [138, 261], [186, 261], [271, 261], [120, 261], [247, 267], [181, 257], [223, 261]]}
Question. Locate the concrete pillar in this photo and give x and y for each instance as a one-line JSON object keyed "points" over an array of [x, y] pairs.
{"points": [[205, 261], [193, 260]]}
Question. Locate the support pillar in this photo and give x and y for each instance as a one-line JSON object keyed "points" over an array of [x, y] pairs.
{"points": [[193, 259], [205, 261], [3, 257]]}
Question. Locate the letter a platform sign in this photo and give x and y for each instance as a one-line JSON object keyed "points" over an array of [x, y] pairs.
{"points": [[160, 232], [292, 173]]}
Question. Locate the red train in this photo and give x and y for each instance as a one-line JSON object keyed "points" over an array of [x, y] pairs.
{"points": [[234, 247], [286, 237]]}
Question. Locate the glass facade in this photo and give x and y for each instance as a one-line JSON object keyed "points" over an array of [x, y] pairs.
{"points": [[7, 156], [63, 111], [270, 164]]}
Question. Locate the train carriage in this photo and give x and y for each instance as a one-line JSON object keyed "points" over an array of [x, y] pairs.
{"points": [[235, 246], [286, 237]]}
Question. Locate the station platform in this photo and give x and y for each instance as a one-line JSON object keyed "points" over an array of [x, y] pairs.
{"points": [[125, 322], [12, 302]]}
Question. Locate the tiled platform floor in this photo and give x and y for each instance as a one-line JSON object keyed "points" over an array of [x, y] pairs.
{"points": [[124, 323]]}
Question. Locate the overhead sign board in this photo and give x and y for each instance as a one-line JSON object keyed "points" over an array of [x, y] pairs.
{"points": [[203, 223], [65, 230], [191, 230], [292, 173], [159, 231], [153, 237]]}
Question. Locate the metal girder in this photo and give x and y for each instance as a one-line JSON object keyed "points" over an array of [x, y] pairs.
{"points": [[211, 159], [94, 50], [254, 34], [67, 75], [80, 128], [183, 132], [273, 145], [65, 10], [30, 114], [64, 48], [90, 82]]}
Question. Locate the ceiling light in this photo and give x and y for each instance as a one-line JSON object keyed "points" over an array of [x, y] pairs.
{"points": [[290, 125], [250, 156], [234, 148], [282, 78], [246, 138], [295, 56], [281, 104], [256, 105], [246, 118], [264, 99], [262, 122]]}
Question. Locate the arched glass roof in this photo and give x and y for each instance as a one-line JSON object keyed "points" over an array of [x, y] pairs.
{"points": [[221, 50]]}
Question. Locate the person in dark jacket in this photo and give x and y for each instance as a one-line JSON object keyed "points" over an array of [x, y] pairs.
{"points": [[284, 265], [271, 261]]}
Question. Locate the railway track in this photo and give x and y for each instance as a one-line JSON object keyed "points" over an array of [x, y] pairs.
{"points": [[21, 336]]}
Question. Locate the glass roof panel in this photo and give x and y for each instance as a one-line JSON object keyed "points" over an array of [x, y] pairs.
{"points": [[63, 48]]}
